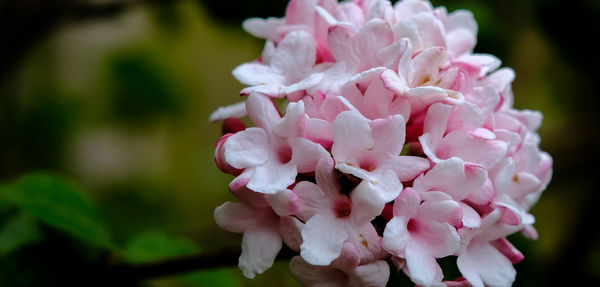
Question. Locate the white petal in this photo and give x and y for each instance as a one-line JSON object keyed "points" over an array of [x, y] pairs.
{"points": [[259, 249], [296, 53], [482, 263], [375, 274], [262, 111], [236, 110], [396, 236], [253, 74], [247, 148], [323, 238], [235, 216], [311, 275], [351, 136], [272, 177], [424, 270], [306, 154], [264, 28]]}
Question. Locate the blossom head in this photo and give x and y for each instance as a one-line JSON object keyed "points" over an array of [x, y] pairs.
{"points": [[397, 144]]}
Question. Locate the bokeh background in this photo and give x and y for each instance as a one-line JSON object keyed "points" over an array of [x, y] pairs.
{"points": [[115, 96]]}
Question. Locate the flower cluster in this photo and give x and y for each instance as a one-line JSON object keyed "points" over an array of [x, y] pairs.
{"points": [[398, 146]]}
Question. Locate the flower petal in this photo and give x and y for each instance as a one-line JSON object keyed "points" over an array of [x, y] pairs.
{"points": [[482, 263], [351, 136], [259, 249], [247, 148], [272, 177], [323, 238], [236, 110], [375, 274], [423, 268], [235, 216], [254, 74]]}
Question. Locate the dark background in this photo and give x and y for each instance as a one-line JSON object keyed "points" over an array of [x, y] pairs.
{"points": [[116, 95]]}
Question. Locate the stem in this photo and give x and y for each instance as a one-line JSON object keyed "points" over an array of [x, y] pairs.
{"points": [[172, 266]]}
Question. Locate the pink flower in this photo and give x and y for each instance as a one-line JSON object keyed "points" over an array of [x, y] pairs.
{"points": [[284, 69], [332, 218], [370, 150], [265, 222], [392, 123], [272, 153], [420, 232], [486, 259], [344, 271]]}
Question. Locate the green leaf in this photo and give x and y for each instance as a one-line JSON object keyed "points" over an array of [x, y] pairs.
{"points": [[61, 204], [156, 245], [226, 277], [18, 231]]}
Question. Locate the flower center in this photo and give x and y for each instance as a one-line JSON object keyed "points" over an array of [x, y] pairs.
{"points": [[367, 165], [412, 226], [284, 154], [343, 208]]}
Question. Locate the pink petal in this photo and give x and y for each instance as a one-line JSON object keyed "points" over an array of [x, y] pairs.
{"points": [[364, 206], [312, 199], [262, 111], [311, 275], [376, 100], [421, 264], [323, 238], [295, 54], [253, 74], [306, 154], [247, 148], [284, 202], [264, 28], [259, 249], [272, 176], [482, 263], [406, 167], [470, 218], [430, 29], [238, 187], [452, 177], [506, 248], [407, 203], [340, 38], [373, 36], [426, 65], [389, 135], [236, 110], [292, 124], [326, 178], [440, 239], [289, 230], [396, 236], [446, 211], [235, 217], [409, 30], [486, 153], [375, 274], [351, 136]]}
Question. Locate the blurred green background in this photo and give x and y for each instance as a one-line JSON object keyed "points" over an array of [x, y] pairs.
{"points": [[113, 97]]}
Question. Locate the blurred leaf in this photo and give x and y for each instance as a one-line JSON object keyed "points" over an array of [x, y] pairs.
{"points": [[156, 245], [141, 87], [17, 232], [60, 204], [214, 278], [4, 200]]}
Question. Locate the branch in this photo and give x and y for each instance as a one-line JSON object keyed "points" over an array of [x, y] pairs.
{"points": [[178, 265]]}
